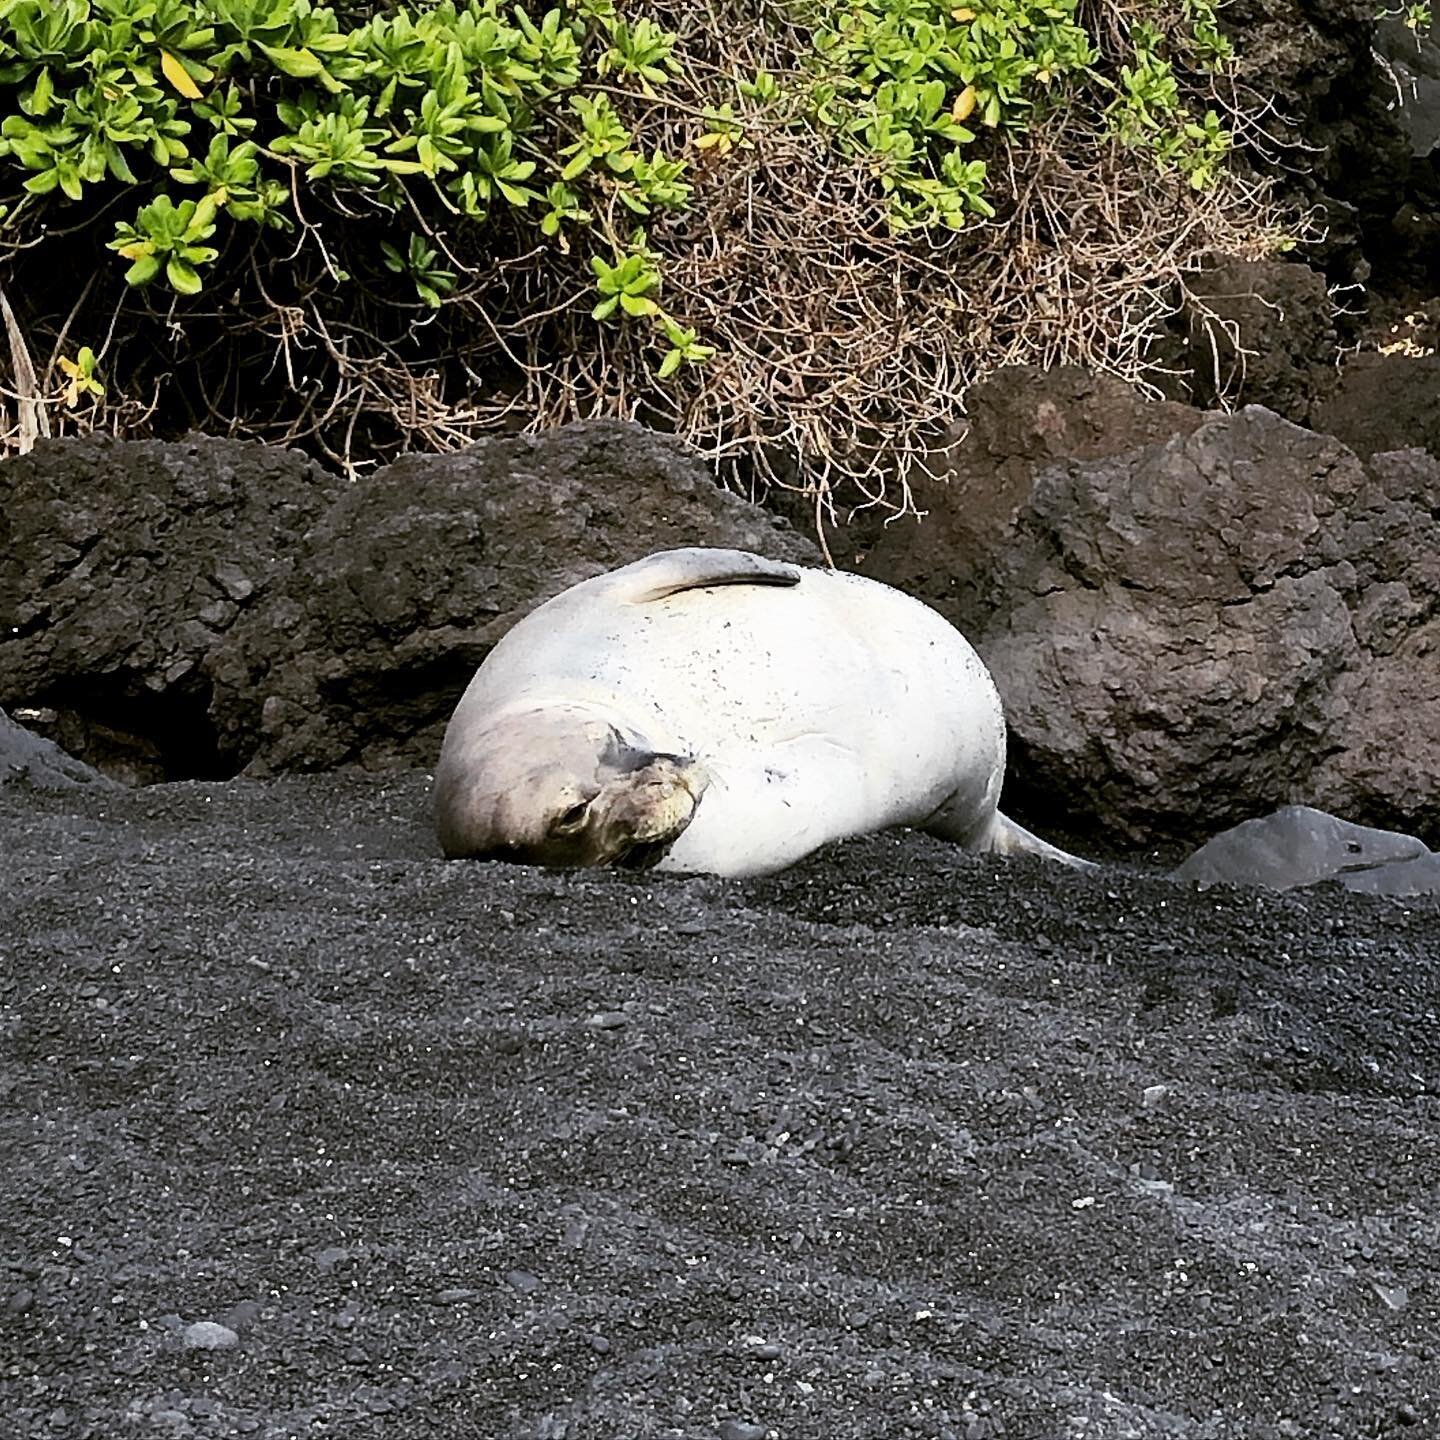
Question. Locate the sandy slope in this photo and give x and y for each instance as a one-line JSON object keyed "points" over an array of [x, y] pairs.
{"points": [[899, 1143]]}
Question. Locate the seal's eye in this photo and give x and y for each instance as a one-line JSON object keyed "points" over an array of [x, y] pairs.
{"points": [[571, 819]]}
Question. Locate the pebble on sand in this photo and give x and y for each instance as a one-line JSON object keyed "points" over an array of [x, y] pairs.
{"points": [[608, 1020], [210, 1335], [741, 1430]]}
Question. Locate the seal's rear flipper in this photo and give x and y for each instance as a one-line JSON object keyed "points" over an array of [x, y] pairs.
{"points": [[1007, 838], [668, 572]]}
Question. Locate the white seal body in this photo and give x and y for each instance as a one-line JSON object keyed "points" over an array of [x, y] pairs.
{"points": [[821, 709]]}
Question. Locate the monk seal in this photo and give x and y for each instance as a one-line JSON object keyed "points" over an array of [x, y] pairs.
{"points": [[713, 711]]}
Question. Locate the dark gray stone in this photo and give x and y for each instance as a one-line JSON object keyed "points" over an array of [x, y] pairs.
{"points": [[1411, 58], [1259, 332], [1383, 402], [122, 563], [1298, 846], [31, 758], [209, 1335]]}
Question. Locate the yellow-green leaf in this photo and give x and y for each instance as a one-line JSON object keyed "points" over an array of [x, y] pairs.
{"points": [[637, 305], [302, 64], [178, 76], [143, 271], [43, 96], [182, 277]]}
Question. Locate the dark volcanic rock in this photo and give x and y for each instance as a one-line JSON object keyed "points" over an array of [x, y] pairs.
{"points": [[1204, 628], [122, 563], [28, 757], [1259, 332], [1021, 419], [1406, 252], [1299, 845], [901, 1143], [399, 591], [1337, 106], [1412, 56], [1384, 402]]}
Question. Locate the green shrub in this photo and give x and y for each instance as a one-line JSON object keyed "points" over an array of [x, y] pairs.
{"points": [[434, 216]]}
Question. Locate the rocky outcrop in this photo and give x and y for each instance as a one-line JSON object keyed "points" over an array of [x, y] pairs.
{"points": [[1200, 629], [196, 608], [1307, 69], [1410, 59], [1192, 618], [122, 566], [1262, 331], [1346, 109], [1385, 762], [1020, 420], [1409, 64], [1384, 402]]}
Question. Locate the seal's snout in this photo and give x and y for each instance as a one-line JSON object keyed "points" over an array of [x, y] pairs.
{"points": [[672, 773], [644, 812]]}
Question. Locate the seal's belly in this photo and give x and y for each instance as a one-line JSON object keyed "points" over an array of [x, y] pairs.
{"points": [[851, 709]]}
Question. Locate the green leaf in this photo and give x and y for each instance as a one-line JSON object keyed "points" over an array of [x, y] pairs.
{"points": [[605, 309], [670, 364], [42, 97], [118, 166], [182, 276], [637, 305], [517, 195], [302, 64], [143, 271], [202, 221]]}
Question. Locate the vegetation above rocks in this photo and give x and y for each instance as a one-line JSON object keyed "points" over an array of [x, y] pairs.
{"points": [[793, 230]]}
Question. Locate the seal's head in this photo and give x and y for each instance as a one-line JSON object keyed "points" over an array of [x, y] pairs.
{"points": [[560, 787]]}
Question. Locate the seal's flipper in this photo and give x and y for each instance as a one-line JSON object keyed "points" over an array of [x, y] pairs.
{"points": [[668, 572], [1005, 837]]}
